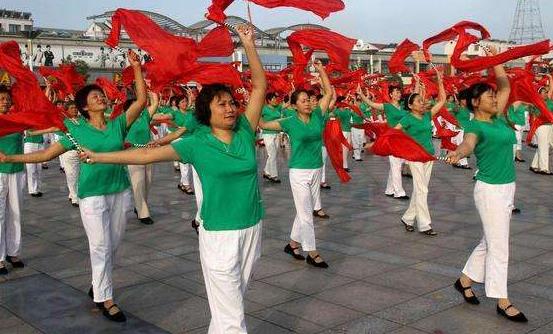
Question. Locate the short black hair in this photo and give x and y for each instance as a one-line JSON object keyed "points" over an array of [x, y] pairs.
{"points": [[392, 88], [204, 99], [476, 91], [5, 90], [296, 94], [82, 95], [270, 96], [409, 99]]}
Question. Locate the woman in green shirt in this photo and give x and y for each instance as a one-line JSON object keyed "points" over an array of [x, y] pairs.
{"points": [[491, 139], [223, 153], [105, 197], [305, 131], [271, 111], [394, 113], [544, 134], [418, 125], [517, 115]]}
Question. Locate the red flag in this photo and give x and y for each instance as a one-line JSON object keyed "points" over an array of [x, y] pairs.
{"points": [[445, 135], [403, 50], [451, 33], [338, 47], [397, 143], [66, 74], [318, 7], [31, 109], [175, 58], [447, 116], [334, 140]]}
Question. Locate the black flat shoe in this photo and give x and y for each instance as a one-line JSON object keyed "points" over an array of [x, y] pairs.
{"points": [[275, 180], [266, 176], [312, 262], [15, 264], [291, 250], [325, 186], [519, 317], [347, 170], [146, 221], [195, 225], [404, 197], [114, 313], [407, 175], [472, 299], [3, 271], [519, 160], [516, 211], [430, 233], [408, 228], [389, 195], [318, 214]]}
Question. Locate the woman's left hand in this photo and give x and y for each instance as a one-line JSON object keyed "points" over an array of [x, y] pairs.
{"points": [[86, 156], [134, 60]]}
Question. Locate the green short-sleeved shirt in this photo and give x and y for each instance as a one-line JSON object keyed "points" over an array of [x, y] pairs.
{"points": [[99, 179], [517, 114], [462, 116], [494, 150], [365, 110], [344, 116], [393, 114], [9, 145], [306, 140], [356, 119], [139, 132], [38, 139], [228, 172], [270, 113], [419, 129], [288, 112]]}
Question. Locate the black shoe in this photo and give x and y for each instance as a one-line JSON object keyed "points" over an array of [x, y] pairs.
{"points": [[389, 195], [62, 170], [113, 313], [325, 186], [318, 214], [347, 170], [407, 175], [275, 180], [177, 169], [3, 271], [44, 166], [290, 250], [430, 233], [459, 287], [404, 197], [408, 228], [358, 160], [135, 212], [91, 295], [516, 211], [312, 262], [15, 264], [519, 317], [75, 204], [195, 225], [146, 221], [519, 160], [533, 170], [266, 176], [38, 194]]}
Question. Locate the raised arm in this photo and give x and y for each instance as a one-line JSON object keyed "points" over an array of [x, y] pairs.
{"points": [[139, 156], [272, 125], [140, 86], [503, 85], [370, 103], [550, 92], [154, 103], [48, 154], [170, 137], [441, 94], [464, 149], [324, 103], [41, 132], [259, 82]]}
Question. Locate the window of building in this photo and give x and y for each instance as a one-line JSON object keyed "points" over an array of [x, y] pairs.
{"points": [[28, 27], [14, 28]]}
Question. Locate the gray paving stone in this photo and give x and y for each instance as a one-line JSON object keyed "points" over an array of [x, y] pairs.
{"points": [[307, 281], [364, 325]]}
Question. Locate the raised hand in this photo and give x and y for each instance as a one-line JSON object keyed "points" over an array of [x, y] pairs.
{"points": [[246, 34], [134, 59]]}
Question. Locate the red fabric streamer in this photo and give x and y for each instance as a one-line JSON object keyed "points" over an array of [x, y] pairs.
{"points": [[110, 89], [403, 50], [334, 140], [175, 59], [452, 33], [447, 116], [397, 143], [31, 109], [69, 80], [216, 12], [445, 136]]}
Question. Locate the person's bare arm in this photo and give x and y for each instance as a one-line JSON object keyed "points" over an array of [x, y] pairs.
{"points": [[48, 154]]}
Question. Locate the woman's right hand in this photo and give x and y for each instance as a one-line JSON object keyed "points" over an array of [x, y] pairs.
{"points": [[87, 156], [453, 157], [3, 157]]}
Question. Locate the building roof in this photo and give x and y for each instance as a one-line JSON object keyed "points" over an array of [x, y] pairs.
{"points": [[14, 14]]}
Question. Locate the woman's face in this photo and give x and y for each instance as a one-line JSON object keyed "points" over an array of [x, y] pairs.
{"points": [[72, 111], [487, 103], [395, 95], [303, 104], [417, 105], [223, 112], [543, 93], [5, 102], [183, 104], [273, 101], [96, 101]]}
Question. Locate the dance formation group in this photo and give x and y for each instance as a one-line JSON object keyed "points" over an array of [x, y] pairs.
{"points": [[214, 134]]}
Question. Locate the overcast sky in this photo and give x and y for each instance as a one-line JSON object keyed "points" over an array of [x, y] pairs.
{"points": [[371, 20]]}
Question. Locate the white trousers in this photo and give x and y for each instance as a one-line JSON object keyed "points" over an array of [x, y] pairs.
{"points": [[227, 259], [345, 150], [357, 140], [104, 220], [70, 161], [418, 206], [271, 146], [489, 261], [394, 185], [198, 193], [323, 172], [34, 171], [518, 134], [457, 140], [141, 180], [184, 174], [305, 184], [11, 197], [544, 138]]}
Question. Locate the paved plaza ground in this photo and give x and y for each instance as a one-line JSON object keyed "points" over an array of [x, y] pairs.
{"points": [[381, 279]]}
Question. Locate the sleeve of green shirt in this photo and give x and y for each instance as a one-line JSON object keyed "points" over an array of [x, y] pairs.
{"points": [[285, 124], [405, 122], [472, 127], [185, 149], [66, 143]]}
